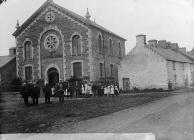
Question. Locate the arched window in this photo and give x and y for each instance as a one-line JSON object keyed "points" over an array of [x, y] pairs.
{"points": [[76, 45], [119, 47], [28, 50], [110, 47], [111, 70], [100, 44]]}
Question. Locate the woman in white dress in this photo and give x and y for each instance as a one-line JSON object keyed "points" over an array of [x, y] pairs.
{"points": [[112, 90]]}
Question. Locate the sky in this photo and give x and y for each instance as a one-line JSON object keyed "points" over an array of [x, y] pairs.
{"points": [[171, 20]]}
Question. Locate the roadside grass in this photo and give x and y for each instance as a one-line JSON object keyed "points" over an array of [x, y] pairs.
{"points": [[45, 118]]}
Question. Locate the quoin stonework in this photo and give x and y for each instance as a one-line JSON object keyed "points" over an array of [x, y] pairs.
{"points": [[55, 44]]}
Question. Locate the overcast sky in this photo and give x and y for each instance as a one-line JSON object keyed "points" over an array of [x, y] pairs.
{"points": [[171, 20]]}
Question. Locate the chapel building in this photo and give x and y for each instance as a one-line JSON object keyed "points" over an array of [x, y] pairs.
{"points": [[55, 44]]}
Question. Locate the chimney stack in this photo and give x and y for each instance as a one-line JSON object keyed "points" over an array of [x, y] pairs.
{"points": [[174, 46], [152, 43], [183, 50], [162, 44], [140, 40]]}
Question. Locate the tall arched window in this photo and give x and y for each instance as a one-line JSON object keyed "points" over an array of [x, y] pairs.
{"points": [[119, 47], [76, 45], [100, 44], [110, 47], [28, 50]]}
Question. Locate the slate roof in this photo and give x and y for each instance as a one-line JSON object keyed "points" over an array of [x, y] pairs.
{"points": [[5, 59], [78, 17], [170, 54], [187, 55]]}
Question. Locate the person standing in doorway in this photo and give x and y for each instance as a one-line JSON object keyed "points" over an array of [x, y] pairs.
{"points": [[47, 92]]}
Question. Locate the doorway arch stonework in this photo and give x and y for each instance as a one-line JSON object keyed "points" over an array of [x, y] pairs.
{"points": [[49, 67]]}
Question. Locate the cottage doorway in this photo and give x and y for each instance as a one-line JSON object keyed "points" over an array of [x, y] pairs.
{"points": [[53, 75], [126, 84]]}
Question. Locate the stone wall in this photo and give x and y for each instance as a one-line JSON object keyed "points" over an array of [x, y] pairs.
{"points": [[8, 72], [106, 58], [181, 74], [64, 27], [144, 68]]}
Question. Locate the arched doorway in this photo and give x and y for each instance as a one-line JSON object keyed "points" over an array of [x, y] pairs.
{"points": [[53, 75]]}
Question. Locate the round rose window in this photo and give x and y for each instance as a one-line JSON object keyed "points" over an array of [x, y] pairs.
{"points": [[50, 16], [51, 42]]}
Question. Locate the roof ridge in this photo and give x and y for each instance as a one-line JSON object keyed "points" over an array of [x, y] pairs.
{"points": [[167, 57]]}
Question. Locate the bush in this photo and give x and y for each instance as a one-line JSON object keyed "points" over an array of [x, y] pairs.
{"points": [[16, 84]]}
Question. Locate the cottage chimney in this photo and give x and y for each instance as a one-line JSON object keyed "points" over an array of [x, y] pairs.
{"points": [[152, 43], [12, 51], [51, 1], [140, 40], [162, 44], [174, 46], [183, 50]]}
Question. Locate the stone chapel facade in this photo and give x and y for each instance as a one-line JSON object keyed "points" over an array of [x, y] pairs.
{"points": [[55, 44]]}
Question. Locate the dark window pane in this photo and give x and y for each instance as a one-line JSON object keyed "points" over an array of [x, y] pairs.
{"points": [[100, 44], [77, 69], [28, 73], [101, 69], [76, 45]]}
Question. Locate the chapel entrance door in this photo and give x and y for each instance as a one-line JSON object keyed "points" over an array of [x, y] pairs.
{"points": [[53, 76]]}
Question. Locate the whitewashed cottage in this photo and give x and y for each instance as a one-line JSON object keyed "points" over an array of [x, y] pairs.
{"points": [[156, 64]]}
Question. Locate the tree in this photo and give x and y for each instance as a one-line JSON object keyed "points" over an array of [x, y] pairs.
{"points": [[1, 1]]}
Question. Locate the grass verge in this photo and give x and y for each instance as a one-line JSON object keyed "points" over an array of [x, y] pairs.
{"points": [[45, 118]]}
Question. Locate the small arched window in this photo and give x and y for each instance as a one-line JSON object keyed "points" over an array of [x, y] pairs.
{"points": [[28, 50], [100, 44], [76, 45]]}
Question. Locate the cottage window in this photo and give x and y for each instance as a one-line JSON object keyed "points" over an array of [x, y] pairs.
{"points": [[100, 47], [76, 45], [101, 69], [173, 63], [175, 79], [28, 73], [183, 66], [28, 50], [77, 69]]}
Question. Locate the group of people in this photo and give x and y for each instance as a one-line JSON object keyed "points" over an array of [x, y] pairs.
{"points": [[30, 89], [62, 90], [111, 90]]}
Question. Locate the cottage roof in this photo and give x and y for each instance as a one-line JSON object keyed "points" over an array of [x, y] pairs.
{"points": [[70, 13], [170, 54], [5, 59], [187, 55]]}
